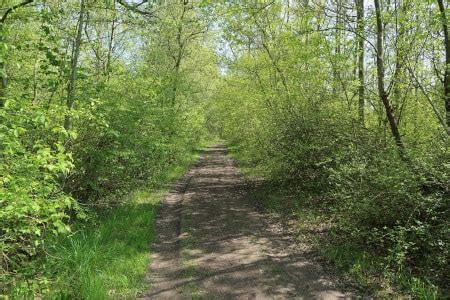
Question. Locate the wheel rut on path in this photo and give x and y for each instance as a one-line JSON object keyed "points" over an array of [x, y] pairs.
{"points": [[213, 243]]}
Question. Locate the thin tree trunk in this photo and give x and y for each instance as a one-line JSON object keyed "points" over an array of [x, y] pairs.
{"points": [[73, 74], [361, 87], [3, 84], [401, 37], [447, 61], [179, 57], [35, 82], [380, 78], [430, 101], [3, 75], [338, 46], [111, 41]]}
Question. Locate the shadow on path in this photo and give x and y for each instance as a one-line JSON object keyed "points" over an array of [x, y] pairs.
{"points": [[212, 243]]}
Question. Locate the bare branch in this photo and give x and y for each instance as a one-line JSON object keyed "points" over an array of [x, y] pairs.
{"points": [[430, 101], [9, 10], [135, 7]]}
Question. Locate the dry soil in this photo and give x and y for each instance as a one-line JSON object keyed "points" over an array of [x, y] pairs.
{"points": [[213, 243]]}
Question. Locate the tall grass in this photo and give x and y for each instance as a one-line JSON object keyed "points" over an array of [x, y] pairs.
{"points": [[106, 256], [109, 256]]}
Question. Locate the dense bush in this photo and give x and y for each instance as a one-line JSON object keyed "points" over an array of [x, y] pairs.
{"points": [[31, 200], [85, 121], [386, 204], [289, 105], [100, 97]]}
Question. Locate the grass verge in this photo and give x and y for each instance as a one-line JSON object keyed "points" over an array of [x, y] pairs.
{"points": [[108, 255], [107, 258]]}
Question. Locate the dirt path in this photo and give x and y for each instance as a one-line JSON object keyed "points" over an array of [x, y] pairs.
{"points": [[213, 244]]}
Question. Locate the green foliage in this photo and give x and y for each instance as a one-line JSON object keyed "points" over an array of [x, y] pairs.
{"points": [[105, 256], [32, 203], [289, 106], [283, 89], [125, 143], [399, 213], [106, 259], [136, 114]]}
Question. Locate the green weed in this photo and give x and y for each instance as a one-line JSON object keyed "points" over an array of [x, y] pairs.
{"points": [[106, 256]]}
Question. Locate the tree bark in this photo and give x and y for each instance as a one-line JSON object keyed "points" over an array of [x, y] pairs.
{"points": [[3, 84], [3, 75], [179, 56], [110, 43], [447, 61], [73, 73], [360, 37], [338, 44], [384, 96]]}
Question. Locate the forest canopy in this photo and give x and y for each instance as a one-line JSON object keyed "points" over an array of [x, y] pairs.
{"points": [[344, 102]]}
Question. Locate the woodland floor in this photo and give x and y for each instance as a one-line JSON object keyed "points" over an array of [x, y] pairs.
{"points": [[212, 242]]}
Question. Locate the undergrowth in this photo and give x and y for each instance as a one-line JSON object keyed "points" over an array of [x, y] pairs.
{"points": [[313, 221], [107, 254]]}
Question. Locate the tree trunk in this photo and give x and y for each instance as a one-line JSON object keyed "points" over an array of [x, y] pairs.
{"points": [[73, 73], [3, 75], [360, 36], [380, 78], [179, 57], [447, 61], [338, 41], [3, 84], [111, 42]]}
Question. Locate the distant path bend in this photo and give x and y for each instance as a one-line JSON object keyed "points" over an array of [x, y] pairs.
{"points": [[212, 243]]}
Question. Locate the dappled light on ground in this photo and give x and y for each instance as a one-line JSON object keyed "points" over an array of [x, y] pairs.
{"points": [[213, 243]]}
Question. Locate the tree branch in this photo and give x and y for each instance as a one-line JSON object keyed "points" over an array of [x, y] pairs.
{"points": [[9, 10], [134, 7], [433, 106]]}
